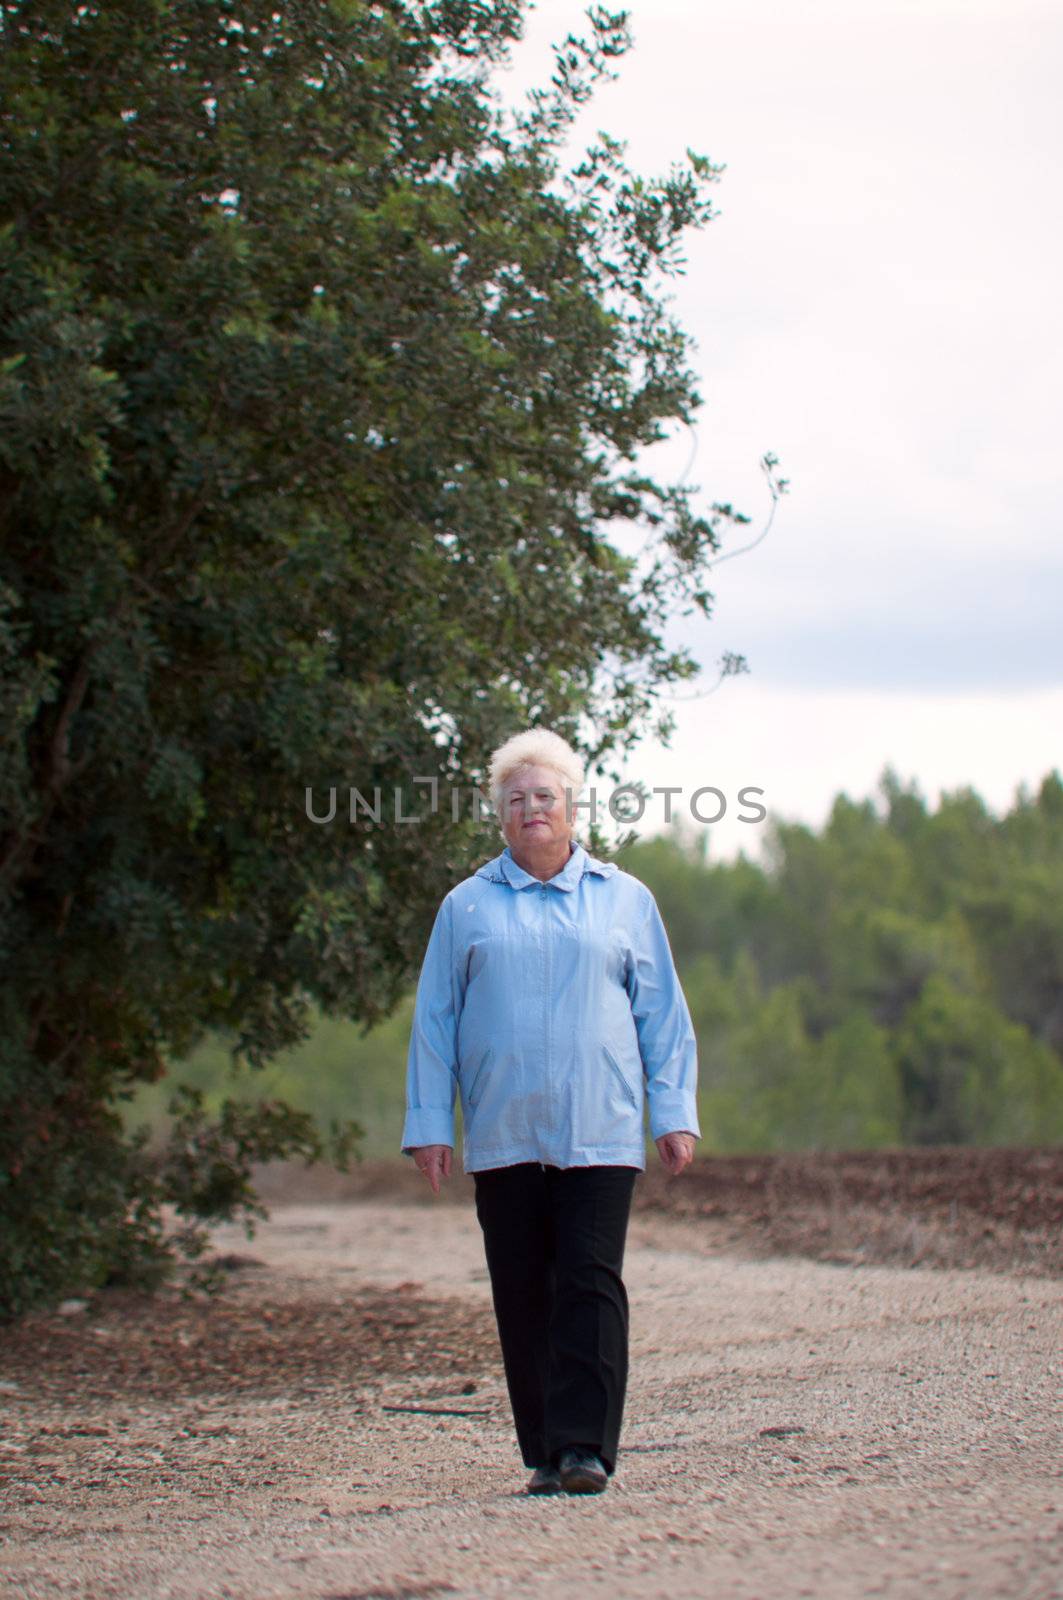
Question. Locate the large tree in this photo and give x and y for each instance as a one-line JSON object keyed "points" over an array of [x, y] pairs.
{"points": [[324, 382]]}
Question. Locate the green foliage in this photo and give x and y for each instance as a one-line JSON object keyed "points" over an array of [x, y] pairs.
{"points": [[320, 378], [922, 1037], [973, 1077], [337, 1072], [895, 978], [85, 1203]]}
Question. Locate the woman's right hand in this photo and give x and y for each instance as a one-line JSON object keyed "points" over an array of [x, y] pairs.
{"points": [[434, 1161]]}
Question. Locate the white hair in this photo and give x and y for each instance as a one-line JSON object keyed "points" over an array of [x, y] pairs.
{"points": [[535, 748]]}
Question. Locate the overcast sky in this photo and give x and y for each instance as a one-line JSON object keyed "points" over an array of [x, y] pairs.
{"points": [[877, 303]]}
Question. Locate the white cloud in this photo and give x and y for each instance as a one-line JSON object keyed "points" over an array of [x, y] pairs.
{"points": [[804, 747], [877, 303]]}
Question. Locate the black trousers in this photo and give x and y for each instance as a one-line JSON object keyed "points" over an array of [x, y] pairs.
{"points": [[554, 1239]]}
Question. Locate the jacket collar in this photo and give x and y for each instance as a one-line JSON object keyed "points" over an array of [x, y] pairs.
{"points": [[503, 869]]}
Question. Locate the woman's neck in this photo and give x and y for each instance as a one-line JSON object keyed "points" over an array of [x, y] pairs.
{"points": [[543, 864]]}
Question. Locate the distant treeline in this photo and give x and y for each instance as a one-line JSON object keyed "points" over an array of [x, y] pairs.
{"points": [[895, 978]]}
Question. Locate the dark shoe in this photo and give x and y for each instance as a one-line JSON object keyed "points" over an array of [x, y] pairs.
{"points": [[581, 1472], [544, 1480]]}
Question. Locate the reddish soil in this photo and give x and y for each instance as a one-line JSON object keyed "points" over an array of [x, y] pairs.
{"points": [[997, 1209], [1000, 1209], [335, 1424]]}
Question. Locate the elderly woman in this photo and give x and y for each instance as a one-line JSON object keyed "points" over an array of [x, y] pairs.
{"points": [[548, 997]]}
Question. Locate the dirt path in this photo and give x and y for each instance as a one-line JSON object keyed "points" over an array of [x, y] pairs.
{"points": [[792, 1428]]}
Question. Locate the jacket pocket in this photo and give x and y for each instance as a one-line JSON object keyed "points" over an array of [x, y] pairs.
{"points": [[478, 1080], [620, 1073]]}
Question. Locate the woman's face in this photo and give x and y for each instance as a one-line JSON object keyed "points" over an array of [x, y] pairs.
{"points": [[533, 808]]}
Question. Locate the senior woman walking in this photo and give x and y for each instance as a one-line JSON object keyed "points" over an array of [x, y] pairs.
{"points": [[549, 999]]}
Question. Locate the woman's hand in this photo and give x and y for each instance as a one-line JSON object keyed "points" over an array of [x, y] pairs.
{"points": [[434, 1161], [676, 1150]]}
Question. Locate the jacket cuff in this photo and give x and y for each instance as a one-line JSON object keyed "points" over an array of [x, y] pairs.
{"points": [[427, 1125], [673, 1113]]}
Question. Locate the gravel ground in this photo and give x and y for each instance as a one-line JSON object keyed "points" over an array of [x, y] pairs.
{"points": [[793, 1427]]}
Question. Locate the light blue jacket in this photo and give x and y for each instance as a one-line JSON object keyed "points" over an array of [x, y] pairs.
{"points": [[555, 1009]]}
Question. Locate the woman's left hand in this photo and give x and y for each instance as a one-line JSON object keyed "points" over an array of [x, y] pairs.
{"points": [[676, 1150]]}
